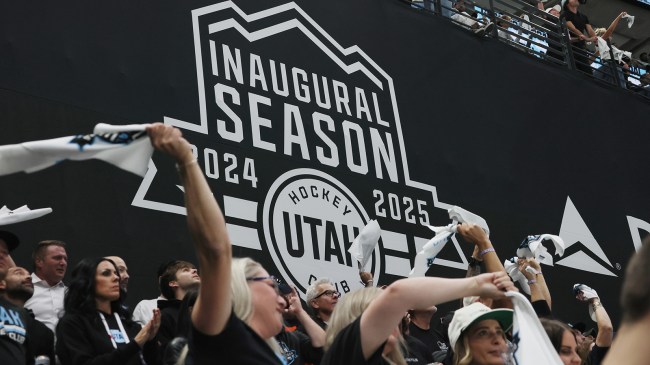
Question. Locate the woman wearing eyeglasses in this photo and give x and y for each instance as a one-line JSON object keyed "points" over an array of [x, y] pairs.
{"points": [[238, 309], [364, 327]]}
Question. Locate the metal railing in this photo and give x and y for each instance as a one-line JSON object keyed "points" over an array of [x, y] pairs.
{"points": [[541, 35]]}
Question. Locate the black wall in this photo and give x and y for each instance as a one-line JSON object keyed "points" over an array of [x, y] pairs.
{"points": [[493, 130]]}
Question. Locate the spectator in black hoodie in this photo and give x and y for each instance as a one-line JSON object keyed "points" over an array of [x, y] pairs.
{"points": [[96, 328]]}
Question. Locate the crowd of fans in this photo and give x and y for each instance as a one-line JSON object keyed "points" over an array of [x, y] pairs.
{"points": [[538, 30], [236, 312]]}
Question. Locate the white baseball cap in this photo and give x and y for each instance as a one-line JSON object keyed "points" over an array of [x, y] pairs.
{"points": [[467, 316], [556, 8]]}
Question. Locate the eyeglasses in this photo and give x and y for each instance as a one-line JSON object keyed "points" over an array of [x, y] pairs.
{"points": [[329, 293], [274, 281]]}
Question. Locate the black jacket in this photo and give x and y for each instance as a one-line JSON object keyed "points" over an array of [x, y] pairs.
{"points": [[82, 340]]}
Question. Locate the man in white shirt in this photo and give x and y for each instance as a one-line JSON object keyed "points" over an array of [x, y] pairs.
{"points": [[144, 309], [50, 264]]}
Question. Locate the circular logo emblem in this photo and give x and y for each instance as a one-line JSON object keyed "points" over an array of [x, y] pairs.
{"points": [[310, 221]]}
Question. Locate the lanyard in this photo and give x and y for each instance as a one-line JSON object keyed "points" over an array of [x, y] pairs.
{"points": [[119, 324]]}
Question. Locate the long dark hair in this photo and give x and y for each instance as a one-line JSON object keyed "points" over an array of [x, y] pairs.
{"points": [[80, 298], [555, 331]]}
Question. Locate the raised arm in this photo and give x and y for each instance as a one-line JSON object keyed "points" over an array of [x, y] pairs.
{"points": [[538, 288], [314, 331], [208, 229], [486, 252], [612, 27], [386, 311], [474, 266], [476, 235], [605, 329]]}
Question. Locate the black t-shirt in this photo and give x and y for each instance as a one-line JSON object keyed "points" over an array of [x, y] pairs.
{"points": [[417, 352], [433, 340], [40, 340], [237, 344], [346, 348], [320, 322], [297, 348], [542, 309], [596, 355], [168, 320], [13, 333], [579, 21]]}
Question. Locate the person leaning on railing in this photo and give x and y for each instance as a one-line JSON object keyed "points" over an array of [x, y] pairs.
{"points": [[579, 26]]}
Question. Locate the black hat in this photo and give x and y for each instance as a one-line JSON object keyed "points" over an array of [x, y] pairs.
{"points": [[10, 239]]}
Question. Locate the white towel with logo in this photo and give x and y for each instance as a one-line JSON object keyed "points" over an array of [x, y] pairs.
{"points": [[531, 247], [425, 258], [125, 146], [8, 216], [530, 343]]}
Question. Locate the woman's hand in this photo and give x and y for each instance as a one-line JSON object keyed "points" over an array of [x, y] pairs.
{"points": [[474, 233], [294, 306], [170, 140], [493, 285], [149, 331]]}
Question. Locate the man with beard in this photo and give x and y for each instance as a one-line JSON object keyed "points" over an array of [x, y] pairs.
{"points": [[13, 326], [18, 288]]}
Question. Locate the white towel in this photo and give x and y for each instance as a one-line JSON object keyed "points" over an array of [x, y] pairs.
{"points": [[125, 146], [425, 258], [512, 268], [630, 20], [603, 48], [363, 245], [8, 216], [531, 247], [530, 342]]}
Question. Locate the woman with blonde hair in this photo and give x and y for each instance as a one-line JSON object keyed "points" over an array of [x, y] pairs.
{"points": [[364, 326], [238, 310], [477, 335]]}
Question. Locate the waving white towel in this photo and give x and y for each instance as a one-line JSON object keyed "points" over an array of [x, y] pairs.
{"points": [[531, 345], [125, 146], [363, 245], [531, 247], [8, 216], [425, 258]]}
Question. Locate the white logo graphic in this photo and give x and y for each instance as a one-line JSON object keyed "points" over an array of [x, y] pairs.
{"points": [[574, 230], [310, 220], [354, 127], [635, 225]]}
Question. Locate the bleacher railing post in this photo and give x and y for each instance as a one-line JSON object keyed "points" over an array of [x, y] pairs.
{"points": [[495, 31], [613, 66], [565, 39]]}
